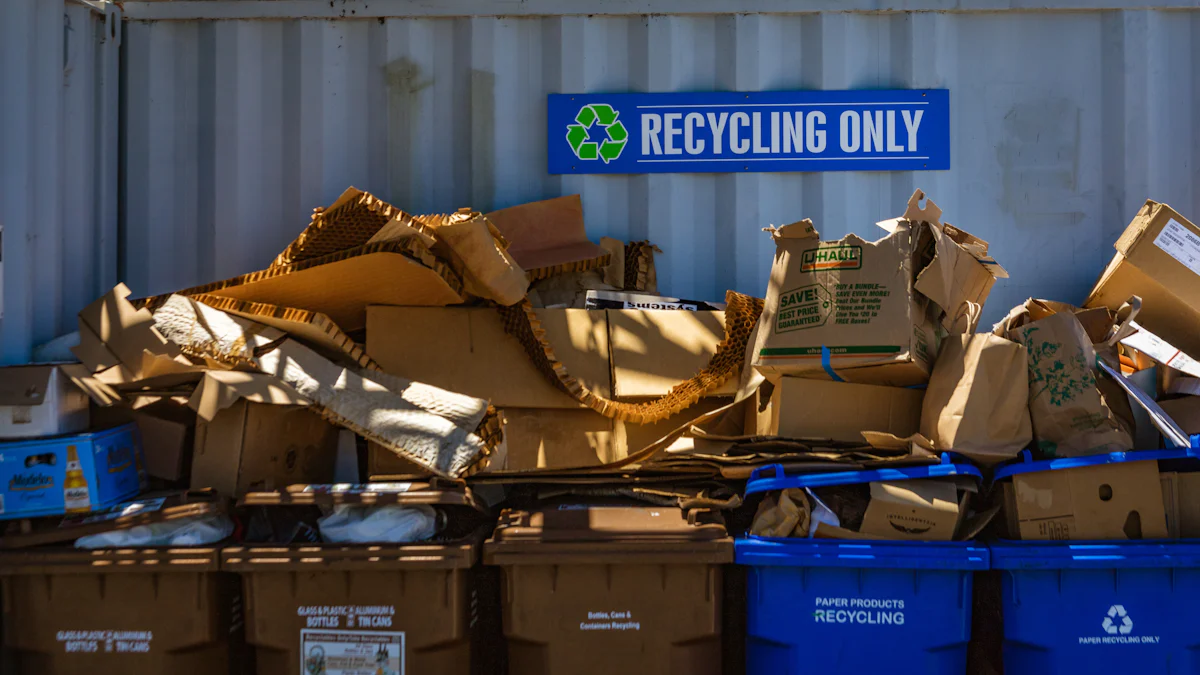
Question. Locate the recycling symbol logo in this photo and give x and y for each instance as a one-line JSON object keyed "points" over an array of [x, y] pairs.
{"points": [[1117, 621], [593, 122]]}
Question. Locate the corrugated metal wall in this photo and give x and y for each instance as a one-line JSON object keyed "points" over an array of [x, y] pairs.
{"points": [[1062, 123], [58, 166]]}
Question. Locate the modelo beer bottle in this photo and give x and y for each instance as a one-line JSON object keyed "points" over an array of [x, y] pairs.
{"points": [[75, 487]]}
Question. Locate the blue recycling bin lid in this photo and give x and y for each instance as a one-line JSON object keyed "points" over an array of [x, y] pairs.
{"points": [[1025, 463], [773, 477], [1093, 555]]}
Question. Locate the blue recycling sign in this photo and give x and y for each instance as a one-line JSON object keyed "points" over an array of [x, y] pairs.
{"points": [[769, 131]]}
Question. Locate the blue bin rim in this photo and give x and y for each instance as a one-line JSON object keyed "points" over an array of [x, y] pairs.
{"points": [[882, 554], [1025, 464], [1065, 555], [773, 476]]}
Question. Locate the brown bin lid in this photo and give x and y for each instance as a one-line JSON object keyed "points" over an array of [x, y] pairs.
{"points": [[593, 533], [56, 560], [455, 554], [432, 493], [343, 558], [145, 510]]}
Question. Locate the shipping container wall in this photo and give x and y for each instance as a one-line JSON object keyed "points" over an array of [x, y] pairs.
{"points": [[1062, 123], [58, 166]]}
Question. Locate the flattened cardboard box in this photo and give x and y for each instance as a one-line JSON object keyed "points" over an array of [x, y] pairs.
{"points": [[654, 350], [256, 446], [1105, 501], [466, 350], [878, 307], [804, 408]]}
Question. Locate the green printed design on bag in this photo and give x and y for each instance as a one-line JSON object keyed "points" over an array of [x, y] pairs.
{"points": [[1061, 380]]}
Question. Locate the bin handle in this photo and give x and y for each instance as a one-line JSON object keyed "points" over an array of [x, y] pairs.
{"points": [[768, 471]]}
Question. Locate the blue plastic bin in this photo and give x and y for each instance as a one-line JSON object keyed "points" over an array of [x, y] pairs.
{"points": [[1079, 607], [834, 606]]}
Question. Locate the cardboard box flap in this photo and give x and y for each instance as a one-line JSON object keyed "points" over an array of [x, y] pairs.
{"points": [[341, 285], [656, 350], [915, 444], [478, 252], [548, 237], [220, 389], [931, 213], [368, 494], [113, 332], [352, 220], [103, 394], [25, 385], [801, 229], [954, 277], [312, 328]]}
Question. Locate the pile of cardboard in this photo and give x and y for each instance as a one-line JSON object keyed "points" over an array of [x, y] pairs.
{"points": [[876, 341], [441, 345], [510, 348]]}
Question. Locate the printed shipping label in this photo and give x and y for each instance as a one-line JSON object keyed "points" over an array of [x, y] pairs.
{"points": [[344, 652], [1181, 244]]}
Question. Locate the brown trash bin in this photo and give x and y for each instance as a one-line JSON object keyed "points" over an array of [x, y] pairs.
{"points": [[399, 608], [120, 612], [603, 589]]}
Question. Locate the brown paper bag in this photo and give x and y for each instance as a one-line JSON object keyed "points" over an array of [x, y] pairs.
{"points": [[977, 400], [1070, 415]]}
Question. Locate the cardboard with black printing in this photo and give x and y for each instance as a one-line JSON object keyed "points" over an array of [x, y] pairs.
{"points": [[1158, 259], [841, 411], [1103, 501], [879, 308], [915, 510]]}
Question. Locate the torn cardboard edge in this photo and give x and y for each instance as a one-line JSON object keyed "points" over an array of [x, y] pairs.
{"points": [[428, 426], [354, 219], [413, 251], [639, 273], [314, 328], [548, 237], [741, 316]]}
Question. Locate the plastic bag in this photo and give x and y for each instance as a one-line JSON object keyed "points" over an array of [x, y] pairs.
{"points": [[195, 531], [391, 524]]}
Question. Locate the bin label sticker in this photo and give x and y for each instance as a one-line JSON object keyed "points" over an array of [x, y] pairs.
{"points": [[347, 616], [1181, 244], [860, 611], [748, 131], [106, 641], [610, 620], [1117, 629], [347, 652]]}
